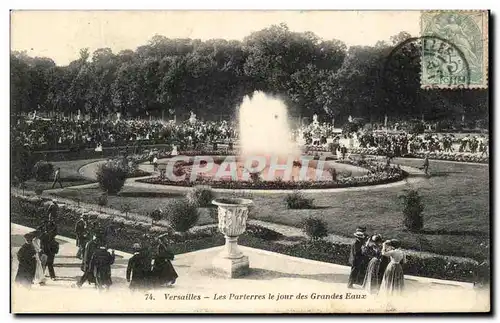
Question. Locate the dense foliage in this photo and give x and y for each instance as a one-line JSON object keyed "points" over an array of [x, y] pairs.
{"points": [[412, 210], [182, 215], [167, 77], [315, 228], [297, 200], [201, 196], [43, 171], [111, 177]]}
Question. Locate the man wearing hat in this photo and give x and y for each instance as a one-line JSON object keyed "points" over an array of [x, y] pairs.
{"points": [[356, 258], [27, 262], [81, 227], [86, 267], [426, 164], [53, 209], [138, 269]]}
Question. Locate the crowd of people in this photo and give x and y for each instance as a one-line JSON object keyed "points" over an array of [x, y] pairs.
{"points": [[403, 143], [38, 252], [376, 265], [149, 267], [46, 134], [60, 134]]}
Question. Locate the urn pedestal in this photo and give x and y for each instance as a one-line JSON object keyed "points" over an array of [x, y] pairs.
{"points": [[232, 214]]}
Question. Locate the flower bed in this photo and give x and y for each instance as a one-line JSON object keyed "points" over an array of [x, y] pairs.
{"points": [[377, 175], [451, 156], [29, 211], [366, 180]]}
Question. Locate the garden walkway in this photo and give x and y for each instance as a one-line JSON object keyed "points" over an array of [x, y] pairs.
{"points": [[199, 289]]}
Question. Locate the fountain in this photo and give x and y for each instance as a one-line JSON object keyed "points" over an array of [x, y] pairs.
{"points": [[264, 127]]}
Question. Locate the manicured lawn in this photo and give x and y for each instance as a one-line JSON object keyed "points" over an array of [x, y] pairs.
{"points": [[69, 175], [140, 200], [456, 215]]}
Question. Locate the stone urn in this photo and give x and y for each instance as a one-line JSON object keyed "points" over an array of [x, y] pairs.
{"points": [[233, 214]]}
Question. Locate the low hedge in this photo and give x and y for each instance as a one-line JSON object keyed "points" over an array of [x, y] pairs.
{"points": [[29, 211]]}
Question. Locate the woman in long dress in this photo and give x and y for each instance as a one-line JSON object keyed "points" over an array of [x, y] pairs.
{"points": [[27, 262], [373, 250], [163, 272], [393, 281], [41, 258]]}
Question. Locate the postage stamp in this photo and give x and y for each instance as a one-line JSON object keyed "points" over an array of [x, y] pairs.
{"points": [[455, 49]]}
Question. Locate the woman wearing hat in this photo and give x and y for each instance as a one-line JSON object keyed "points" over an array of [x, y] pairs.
{"points": [[163, 273], [393, 281], [41, 260], [357, 259], [138, 269], [373, 250], [27, 262]]}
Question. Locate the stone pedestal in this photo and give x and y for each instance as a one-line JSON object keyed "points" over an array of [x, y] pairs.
{"points": [[233, 214]]}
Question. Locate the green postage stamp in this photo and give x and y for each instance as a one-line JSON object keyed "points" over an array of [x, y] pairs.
{"points": [[455, 49]]}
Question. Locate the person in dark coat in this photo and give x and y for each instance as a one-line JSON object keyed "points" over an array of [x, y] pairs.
{"points": [[373, 250], [138, 269], [27, 262], [86, 267], [49, 227], [101, 263], [163, 273], [81, 227], [425, 167], [49, 245], [357, 259], [53, 210]]}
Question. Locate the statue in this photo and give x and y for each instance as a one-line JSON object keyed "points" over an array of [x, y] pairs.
{"points": [[175, 152], [192, 118], [315, 120]]}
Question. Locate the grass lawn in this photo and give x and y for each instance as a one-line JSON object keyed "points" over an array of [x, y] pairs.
{"points": [[456, 215], [140, 200], [69, 175]]}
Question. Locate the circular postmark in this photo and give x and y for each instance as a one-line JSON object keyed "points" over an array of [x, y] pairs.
{"points": [[442, 64]]}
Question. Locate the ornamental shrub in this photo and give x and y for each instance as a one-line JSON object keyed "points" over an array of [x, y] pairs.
{"points": [[417, 128], [43, 171], [102, 200], [263, 233], [182, 215], [412, 210], [296, 200], [315, 228], [111, 177], [156, 216], [255, 176], [201, 196]]}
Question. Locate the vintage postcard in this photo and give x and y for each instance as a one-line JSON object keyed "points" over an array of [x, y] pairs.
{"points": [[249, 162]]}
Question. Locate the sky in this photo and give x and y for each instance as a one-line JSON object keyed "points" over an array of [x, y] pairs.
{"points": [[61, 34]]}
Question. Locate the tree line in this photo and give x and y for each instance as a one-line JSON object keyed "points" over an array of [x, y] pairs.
{"points": [[169, 77]]}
